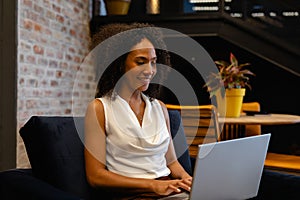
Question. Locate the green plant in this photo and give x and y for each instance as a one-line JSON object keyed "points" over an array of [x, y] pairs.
{"points": [[231, 75]]}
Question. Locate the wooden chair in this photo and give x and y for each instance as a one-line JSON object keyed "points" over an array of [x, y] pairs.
{"points": [[252, 130], [283, 162], [200, 125]]}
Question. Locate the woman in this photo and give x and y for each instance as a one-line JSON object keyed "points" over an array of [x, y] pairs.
{"points": [[128, 146]]}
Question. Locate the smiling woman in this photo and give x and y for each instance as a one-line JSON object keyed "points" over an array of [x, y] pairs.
{"points": [[128, 147], [140, 65], [114, 42]]}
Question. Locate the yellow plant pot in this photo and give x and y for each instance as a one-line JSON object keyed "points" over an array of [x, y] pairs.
{"points": [[117, 7], [234, 101]]}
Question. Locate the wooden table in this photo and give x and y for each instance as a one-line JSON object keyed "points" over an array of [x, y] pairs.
{"points": [[236, 125], [262, 119]]}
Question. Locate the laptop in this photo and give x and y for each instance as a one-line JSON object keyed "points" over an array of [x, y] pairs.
{"points": [[229, 169]]}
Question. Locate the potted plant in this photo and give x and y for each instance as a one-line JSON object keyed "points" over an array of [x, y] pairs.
{"points": [[234, 78]]}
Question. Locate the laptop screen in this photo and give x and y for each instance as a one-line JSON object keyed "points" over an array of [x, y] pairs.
{"points": [[230, 169]]}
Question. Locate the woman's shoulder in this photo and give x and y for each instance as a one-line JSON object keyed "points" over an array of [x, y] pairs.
{"points": [[163, 107], [95, 105]]}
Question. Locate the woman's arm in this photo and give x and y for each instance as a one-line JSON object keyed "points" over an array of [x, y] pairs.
{"points": [[96, 172]]}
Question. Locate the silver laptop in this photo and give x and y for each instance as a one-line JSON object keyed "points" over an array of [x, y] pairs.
{"points": [[229, 169]]}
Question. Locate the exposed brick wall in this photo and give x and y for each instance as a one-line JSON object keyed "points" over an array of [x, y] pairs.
{"points": [[53, 37]]}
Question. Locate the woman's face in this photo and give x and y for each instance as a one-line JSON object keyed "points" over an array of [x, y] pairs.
{"points": [[140, 66]]}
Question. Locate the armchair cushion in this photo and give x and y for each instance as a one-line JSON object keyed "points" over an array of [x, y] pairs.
{"points": [[55, 152]]}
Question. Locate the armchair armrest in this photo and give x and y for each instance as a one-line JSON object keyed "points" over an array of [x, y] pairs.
{"points": [[21, 184]]}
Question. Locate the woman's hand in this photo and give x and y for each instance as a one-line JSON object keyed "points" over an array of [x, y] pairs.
{"points": [[166, 187]]}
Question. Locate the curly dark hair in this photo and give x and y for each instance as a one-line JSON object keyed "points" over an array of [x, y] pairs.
{"points": [[116, 41]]}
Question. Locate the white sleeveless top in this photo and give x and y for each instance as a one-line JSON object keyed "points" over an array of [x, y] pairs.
{"points": [[133, 150]]}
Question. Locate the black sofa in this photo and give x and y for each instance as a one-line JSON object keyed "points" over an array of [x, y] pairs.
{"points": [[55, 150]]}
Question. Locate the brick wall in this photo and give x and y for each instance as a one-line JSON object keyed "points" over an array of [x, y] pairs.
{"points": [[53, 37]]}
